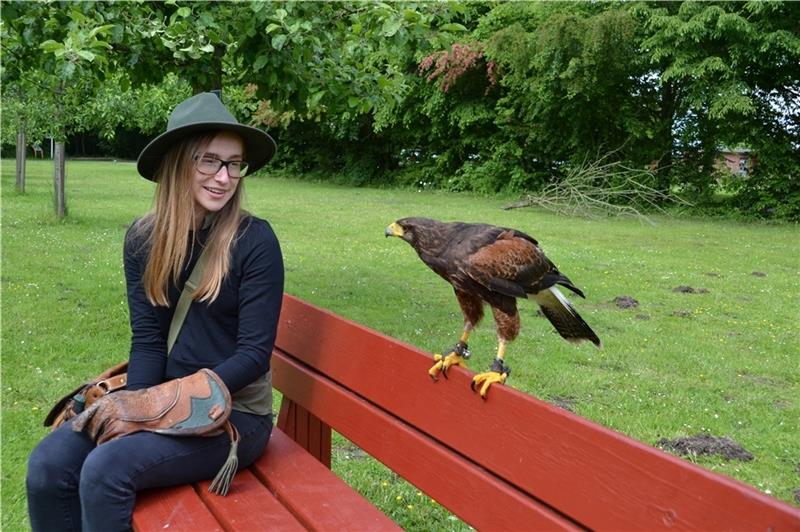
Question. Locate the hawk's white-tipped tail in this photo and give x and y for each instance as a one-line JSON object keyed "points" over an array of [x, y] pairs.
{"points": [[560, 312]]}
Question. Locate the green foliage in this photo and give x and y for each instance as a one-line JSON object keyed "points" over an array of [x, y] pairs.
{"points": [[24, 104], [112, 107], [722, 362], [338, 87], [564, 77], [736, 48], [733, 71], [342, 59], [61, 55], [773, 190], [662, 85], [483, 96], [74, 67], [529, 96]]}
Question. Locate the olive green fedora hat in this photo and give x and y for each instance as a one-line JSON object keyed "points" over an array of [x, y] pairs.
{"points": [[204, 112]]}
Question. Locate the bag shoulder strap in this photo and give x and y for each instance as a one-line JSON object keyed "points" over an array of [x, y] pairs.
{"points": [[185, 301]]}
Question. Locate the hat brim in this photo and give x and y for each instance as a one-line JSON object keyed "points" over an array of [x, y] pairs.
{"points": [[259, 147]]}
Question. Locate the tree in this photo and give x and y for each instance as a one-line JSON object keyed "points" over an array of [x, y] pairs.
{"points": [[554, 83], [662, 85], [727, 72], [25, 120], [62, 53], [481, 95], [66, 53], [335, 76]]}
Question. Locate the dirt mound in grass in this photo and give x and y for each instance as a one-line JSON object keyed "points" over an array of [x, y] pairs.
{"points": [[683, 289], [706, 444], [567, 403], [625, 302]]}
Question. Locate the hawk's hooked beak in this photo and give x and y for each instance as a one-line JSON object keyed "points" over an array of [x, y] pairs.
{"points": [[394, 230]]}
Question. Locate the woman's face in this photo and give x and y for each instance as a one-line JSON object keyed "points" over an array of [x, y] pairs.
{"points": [[212, 192]]}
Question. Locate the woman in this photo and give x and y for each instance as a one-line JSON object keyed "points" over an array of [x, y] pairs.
{"points": [[198, 165]]}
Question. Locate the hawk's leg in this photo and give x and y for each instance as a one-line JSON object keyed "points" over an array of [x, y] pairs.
{"points": [[499, 372], [472, 308], [456, 357]]}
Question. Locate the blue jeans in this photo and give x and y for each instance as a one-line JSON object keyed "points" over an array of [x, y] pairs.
{"points": [[75, 485]]}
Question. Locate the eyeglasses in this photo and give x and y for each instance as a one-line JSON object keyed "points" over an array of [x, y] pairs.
{"points": [[210, 165]]}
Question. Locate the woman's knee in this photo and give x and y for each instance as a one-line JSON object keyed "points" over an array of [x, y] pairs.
{"points": [[58, 457], [42, 472], [106, 490], [52, 469], [105, 471]]}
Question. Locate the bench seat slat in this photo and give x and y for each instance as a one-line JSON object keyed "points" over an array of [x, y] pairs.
{"points": [[312, 493], [598, 477], [287, 489], [236, 510], [177, 508], [474, 494]]}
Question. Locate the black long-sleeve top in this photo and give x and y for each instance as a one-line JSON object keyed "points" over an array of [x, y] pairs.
{"points": [[233, 336]]}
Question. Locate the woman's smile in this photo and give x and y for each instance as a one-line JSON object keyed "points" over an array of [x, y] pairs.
{"points": [[216, 192]]}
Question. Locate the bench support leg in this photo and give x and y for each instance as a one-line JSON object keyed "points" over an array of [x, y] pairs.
{"points": [[306, 429]]}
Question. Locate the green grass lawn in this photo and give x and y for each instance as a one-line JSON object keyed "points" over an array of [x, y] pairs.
{"points": [[723, 360]]}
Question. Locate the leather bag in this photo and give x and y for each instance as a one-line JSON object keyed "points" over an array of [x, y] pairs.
{"points": [[197, 405], [84, 396]]}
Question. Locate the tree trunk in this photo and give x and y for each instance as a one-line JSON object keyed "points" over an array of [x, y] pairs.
{"points": [[59, 179], [210, 78], [219, 52], [667, 118], [21, 157]]}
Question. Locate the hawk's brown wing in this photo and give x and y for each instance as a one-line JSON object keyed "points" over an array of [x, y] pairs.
{"points": [[508, 265], [515, 266]]}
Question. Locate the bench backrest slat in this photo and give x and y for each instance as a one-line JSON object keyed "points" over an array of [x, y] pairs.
{"points": [[599, 478]]}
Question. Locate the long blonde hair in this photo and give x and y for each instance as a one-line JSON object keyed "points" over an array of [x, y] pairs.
{"points": [[169, 231]]}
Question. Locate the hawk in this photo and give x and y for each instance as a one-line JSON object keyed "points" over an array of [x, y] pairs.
{"points": [[492, 265]]}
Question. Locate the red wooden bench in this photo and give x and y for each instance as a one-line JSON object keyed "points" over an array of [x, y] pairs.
{"points": [[511, 462]]}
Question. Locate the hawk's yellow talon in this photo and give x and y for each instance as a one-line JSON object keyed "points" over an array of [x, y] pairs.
{"points": [[434, 371], [443, 363], [484, 380]]}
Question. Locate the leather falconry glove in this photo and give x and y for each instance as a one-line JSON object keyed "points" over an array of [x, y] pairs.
{"points": [[197, 405]]}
